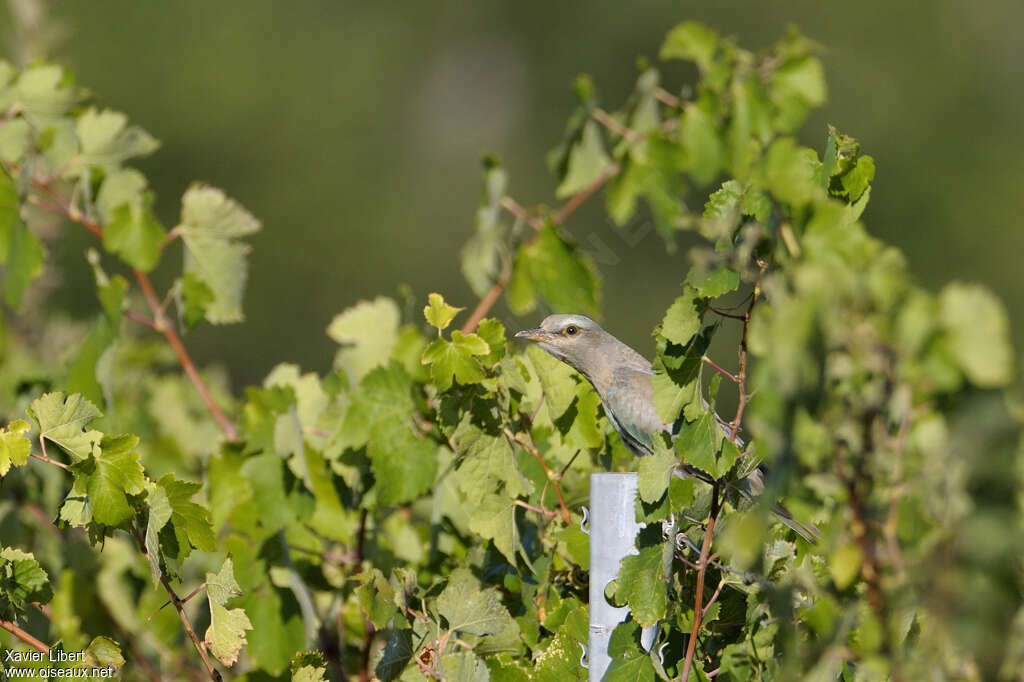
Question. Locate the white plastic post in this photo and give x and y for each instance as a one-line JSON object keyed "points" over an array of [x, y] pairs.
{"points": [[613, 531]]}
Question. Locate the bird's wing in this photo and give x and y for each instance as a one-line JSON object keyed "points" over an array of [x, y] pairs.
{"points": [[628, 402]]}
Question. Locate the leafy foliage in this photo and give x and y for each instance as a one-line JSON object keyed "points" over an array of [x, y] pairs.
{"points": [[414, 512]]}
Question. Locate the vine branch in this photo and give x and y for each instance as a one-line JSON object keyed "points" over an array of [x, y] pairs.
{"points": [[63, 207], [702, 563], [24, 636], [551, 475], [179, 607]]}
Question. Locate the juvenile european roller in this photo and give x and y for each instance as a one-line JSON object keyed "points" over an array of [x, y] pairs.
{"points": [[622, 379]]}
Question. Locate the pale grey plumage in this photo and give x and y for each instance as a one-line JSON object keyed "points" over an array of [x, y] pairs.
{"points": [[623, 380]]}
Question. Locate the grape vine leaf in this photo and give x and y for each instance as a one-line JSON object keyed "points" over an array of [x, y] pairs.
{"points": [[588, 161], [130, 229], [20, 250], [550, 267], [14, 445], [979, 329], [438, 313], [109, 476], [107, 140], [367, 333], [22, 580], [189, 526], [481, 257], [693, 41], [471, 609], [211, 223], [641, 584], [63, 422], [226, 635], [454, 360]]}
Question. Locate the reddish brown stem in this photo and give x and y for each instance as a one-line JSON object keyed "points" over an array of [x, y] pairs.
{"points": [[179, 607], [569, 207], [485, 304], [167, 329], [726, 374], [702, 563], [551, 475], [741, 375], [24, 636], [50, 460], [513, 207]]}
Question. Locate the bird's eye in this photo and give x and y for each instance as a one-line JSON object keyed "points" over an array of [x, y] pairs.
{"points": [[572, 330]]}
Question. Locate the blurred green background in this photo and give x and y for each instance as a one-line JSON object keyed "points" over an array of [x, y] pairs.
{"points": [[354, 131]]}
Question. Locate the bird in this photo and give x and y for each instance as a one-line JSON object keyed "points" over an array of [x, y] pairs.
{"points": [[622, 378]]}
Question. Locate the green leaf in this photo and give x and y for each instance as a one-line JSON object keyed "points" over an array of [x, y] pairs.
{"points": [[448, 359], [226, 635], [844, 565], [641, 584], [629, 662], [654, 473], [978, 329], [113, 473], [493, 332], [20, 250], [683, 318], [135, 234], [196, 298], [170, 502], [702, 143], [210, 224], [714, 283], [14, 445], [63, 422], [380, 417], [588, 162], [495, 520], [395, 655], [693, 41], [438, 313], [376, 597], [481, 257], [699, 442], [367, 333], [470, 609], [108, 141], [103, 652], [22, 580], [859, 178], [789, 172], [487, 460], [550, 267]]}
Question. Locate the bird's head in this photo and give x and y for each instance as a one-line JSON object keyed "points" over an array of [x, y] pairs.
{"points": [[567, 337]]}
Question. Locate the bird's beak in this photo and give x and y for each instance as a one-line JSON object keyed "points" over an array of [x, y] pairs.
{"points": [[535, 334]]}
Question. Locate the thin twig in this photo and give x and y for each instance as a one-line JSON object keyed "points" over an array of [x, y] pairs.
{"points": [[141, 319], [726, 374], [714, 598], [367, 644], [698, 612], [167, 329], [551, 475], [741, 375], [178, 605], [24, 636], [486, 303], [513, 207], [543, 512], [67, 209], [666, 97], [606, 119], [569, 207], [50, 460], [184, 600]]}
